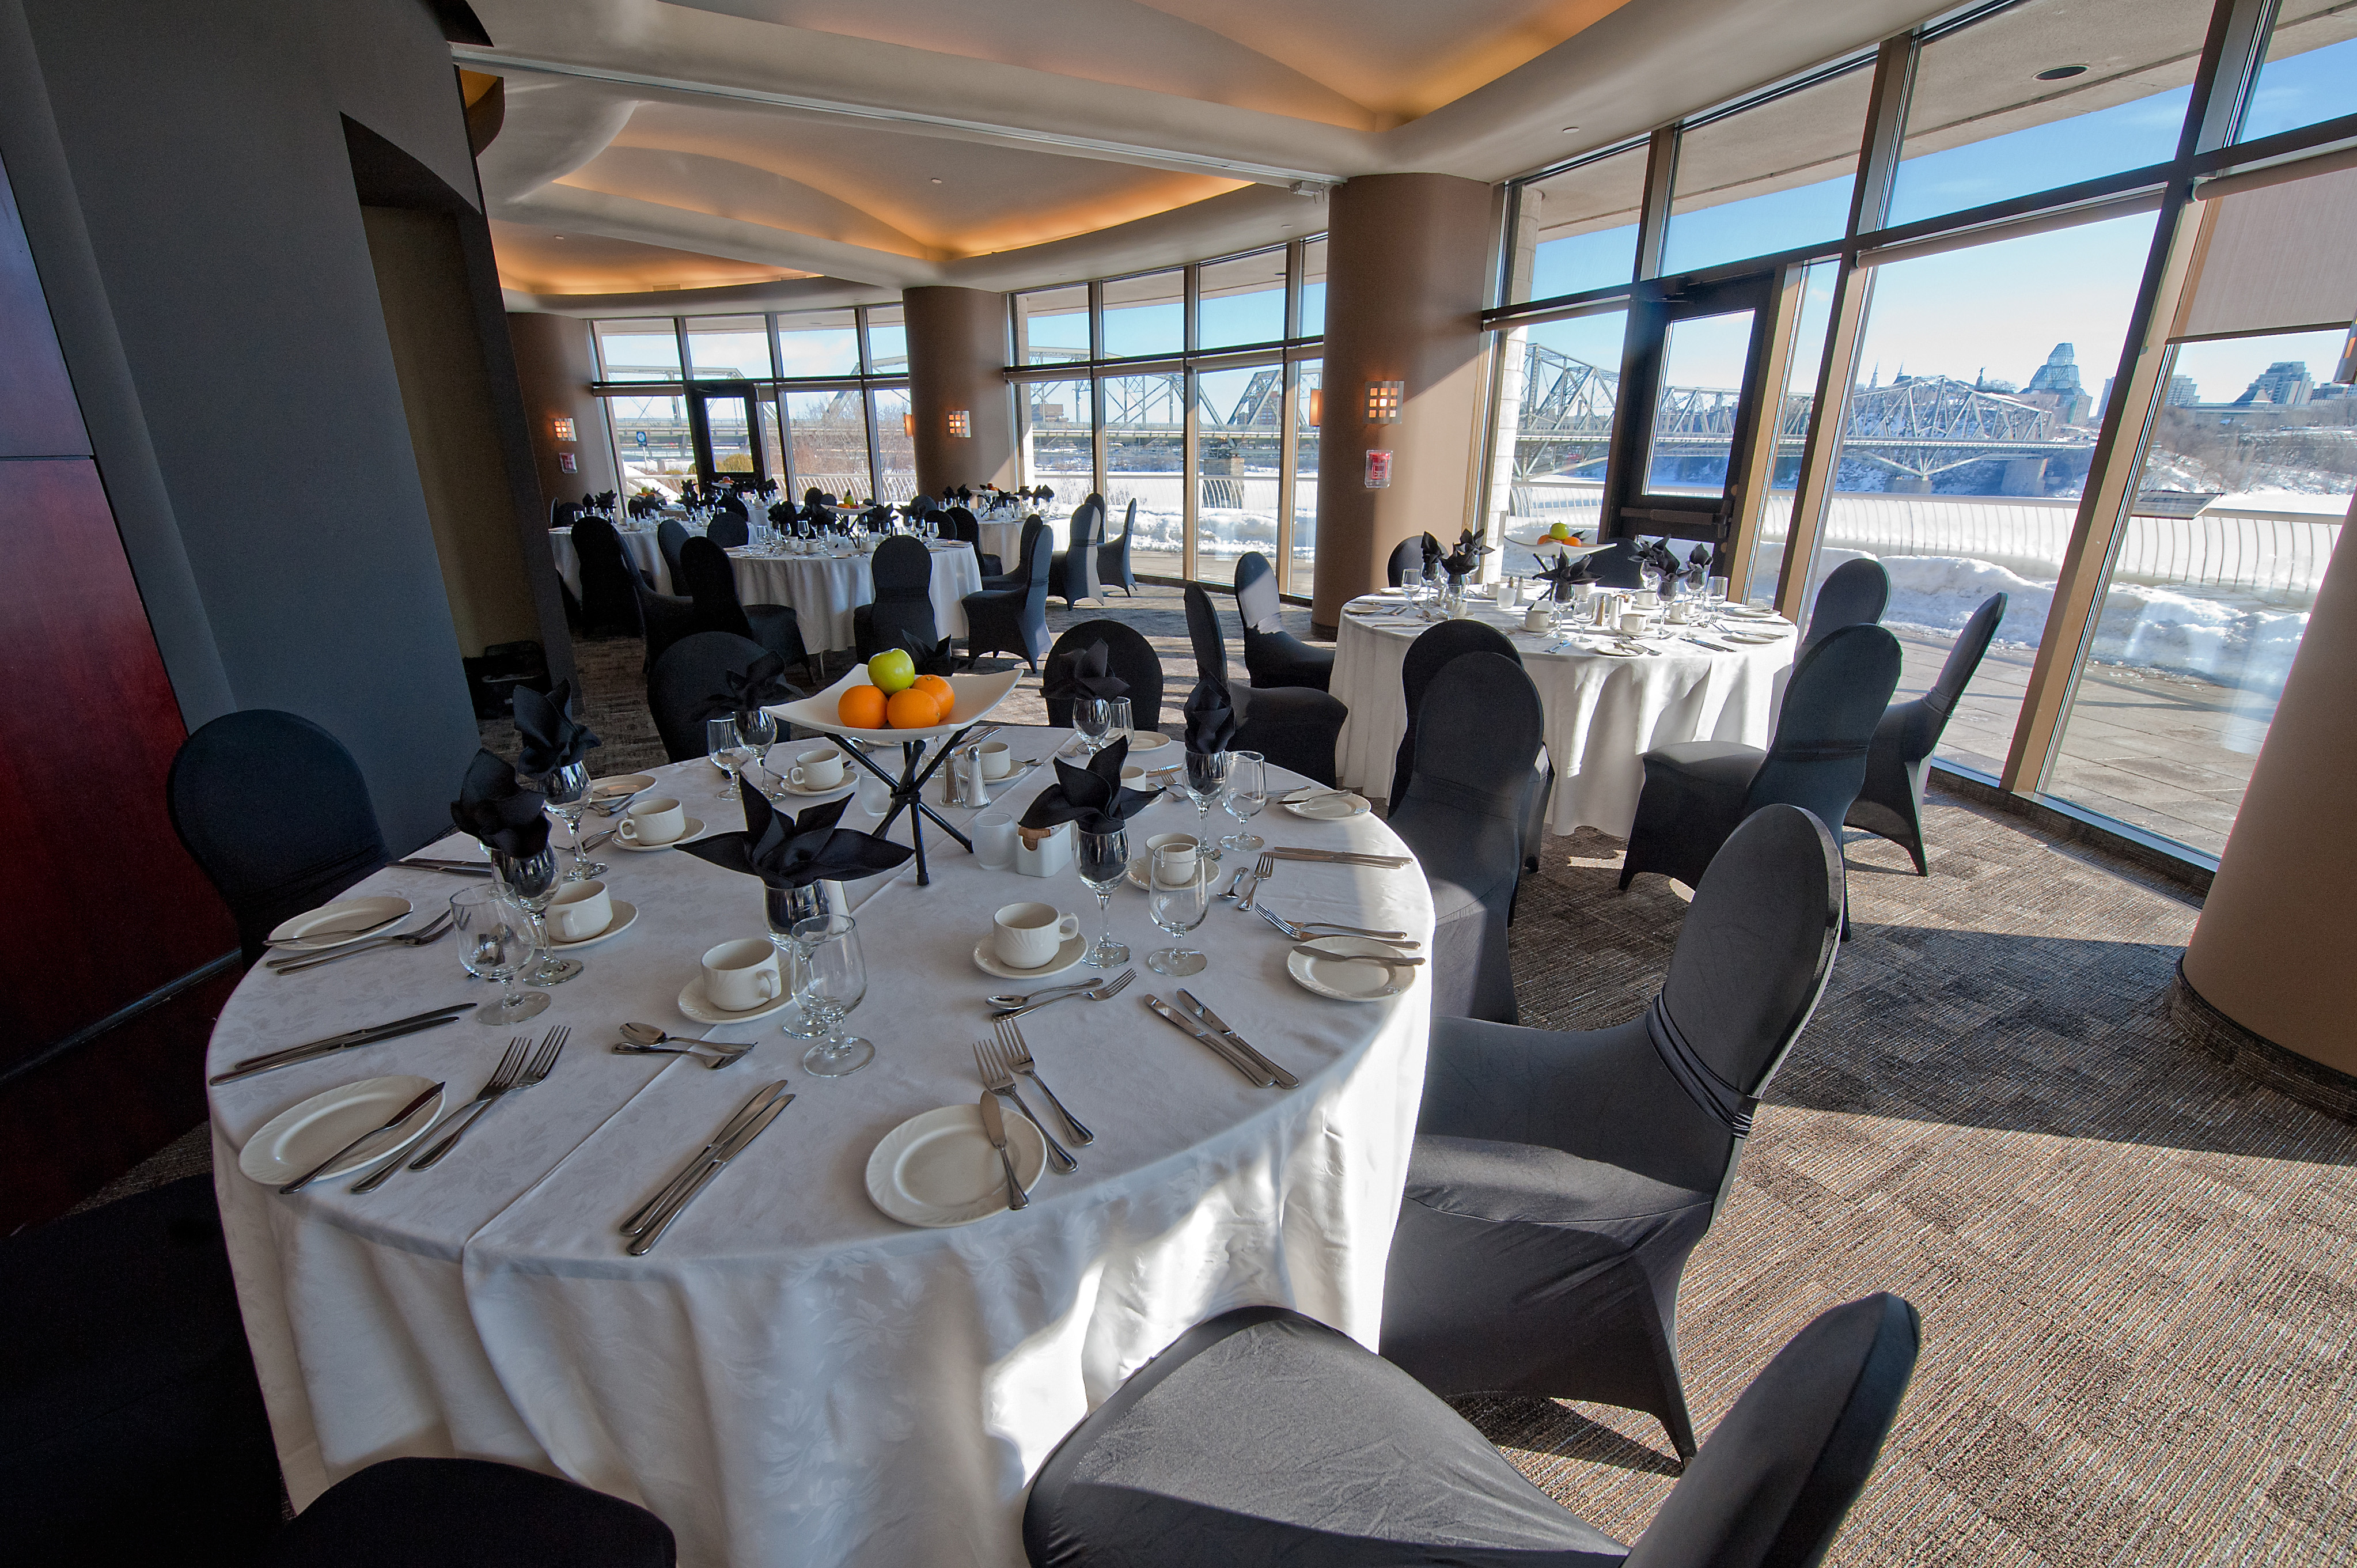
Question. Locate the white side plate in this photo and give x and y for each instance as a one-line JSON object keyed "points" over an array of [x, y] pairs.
{"points": [[304, 1133], [937, 1169], [1328, 967], [333, 925]]}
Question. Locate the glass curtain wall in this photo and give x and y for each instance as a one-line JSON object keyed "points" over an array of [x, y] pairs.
{"points": [[1308, 410], [1145, 458], [1239, 456]]}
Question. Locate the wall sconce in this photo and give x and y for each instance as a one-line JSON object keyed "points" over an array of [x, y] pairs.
{"points": [[1317, 407], [563, 427], [962, 423], [909, 425], [1383, 401]]}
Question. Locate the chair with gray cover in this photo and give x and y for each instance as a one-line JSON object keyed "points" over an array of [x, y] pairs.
{"points": [[1294, 726], [686, 679], [664, 618], [1854, 592], [1407, 553], [901, 614], [729, 530], [1476, 745], [1113, 557], [1559, 1181], [469, 1513], [1890, 804], [1618, 564], [1432, 649], [958, 523], [1696, 791], [712, 583], [1014, 618], [1129, 658], [1264, 1439], [670, 535], [1273, 656], [607, 607], [1072, 574]]}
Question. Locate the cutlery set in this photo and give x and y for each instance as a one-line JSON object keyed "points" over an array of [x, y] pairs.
{"points": [[646, 1225], [517, 1071], [269, 1061], [998, 1061], [296, 963]]}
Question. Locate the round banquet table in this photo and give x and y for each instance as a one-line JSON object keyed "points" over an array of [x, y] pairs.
{"points": [[1603, 713], [641, 546], [789, 1376], [824, 589]]}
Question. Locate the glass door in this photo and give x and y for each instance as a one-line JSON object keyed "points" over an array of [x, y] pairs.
{"points": [[726, 433], [1691, 393]]}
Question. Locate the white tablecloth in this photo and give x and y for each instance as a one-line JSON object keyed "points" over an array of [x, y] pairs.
{"points": [[1603, 713], [643, 550], [791, 1377], [1005, 539]]}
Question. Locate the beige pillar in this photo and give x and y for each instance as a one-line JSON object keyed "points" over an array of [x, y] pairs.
{"points": [[2271, 950], [957, 354], [1407, 263], [555, 365]]}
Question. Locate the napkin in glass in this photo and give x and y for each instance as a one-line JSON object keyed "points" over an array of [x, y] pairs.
{"points": [[1211, 715], [1566, 574], [550, 737], [1082, 673], [507, 817], [1091, 798], [1460, 563], [793, 852], [761, 684]]}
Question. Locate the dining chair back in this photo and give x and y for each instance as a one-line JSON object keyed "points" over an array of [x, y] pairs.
{"points": [[1128, 656], [1407, 553], [469, 1513], [1432, 649], [1891, 799], [729, 530], [1072, 575], [1113, 557], [681, 687], [1839, 689], [901, 614], [1619, 564], [1273, 656], [1014, 617], [670, 535], [608, 608], [1854, 592], [664, 619], [1294, 726], [710, 580]]}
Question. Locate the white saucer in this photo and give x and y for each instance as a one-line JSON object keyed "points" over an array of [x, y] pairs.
{"points": [[1326, 808], [624, 913], [1066, 957], [602, 790], [333, 925], [1748, 613], [1324, 967], [937, 1169], [694, 829], [1146, 740], [692, 1003], [786, 787], [1612, 649], [1752, 637], [306, 1132]]}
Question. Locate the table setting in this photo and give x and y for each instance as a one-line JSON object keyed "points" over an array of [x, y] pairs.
{"points": [[811, 1316]]}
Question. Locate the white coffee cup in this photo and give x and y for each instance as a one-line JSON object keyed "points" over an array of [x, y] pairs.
{"points": [[997, 761], [579, 910], [1680, 612], [1027, 935], [820, 767], [1633, 623], [1181, 846], [1540, 616], [1644, 598], [739, 976], [652, 822]]}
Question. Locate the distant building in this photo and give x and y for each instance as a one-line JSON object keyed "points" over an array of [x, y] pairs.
{"points": [[2285, 383], [2058, 379]]}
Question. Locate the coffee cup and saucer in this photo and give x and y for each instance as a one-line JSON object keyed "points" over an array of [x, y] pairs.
{"points": [[1030, 941], [740, 980], [585, 913], [653, 824], [814, 771]]}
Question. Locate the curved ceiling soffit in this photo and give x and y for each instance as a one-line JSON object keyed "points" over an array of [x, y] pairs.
{"points": [[723, 188], [551, 127], [565, 208]]}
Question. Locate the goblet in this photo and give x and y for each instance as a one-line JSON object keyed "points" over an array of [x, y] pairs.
{"points": [[1246, 793], [495, 943], [530, 882], [1102, 860], [1179, 897], [567, 789], [836, 982], [1205, 780]]}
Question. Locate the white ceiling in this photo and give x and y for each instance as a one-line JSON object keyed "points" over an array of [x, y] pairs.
{"points": [[783, 151]]}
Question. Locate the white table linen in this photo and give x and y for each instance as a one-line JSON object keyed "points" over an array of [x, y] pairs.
{"points": [[644, 551], [1603, 713], [791, 1377], [824, 589], [1005, 539]]}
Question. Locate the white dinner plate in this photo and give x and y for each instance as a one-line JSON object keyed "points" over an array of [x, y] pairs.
{"points": [[624, 913], [1067, 954], [1748, 613], [937, 1169], [694, 829], [1148, 740], [306, 1132], [1754, 636], [1322, 807], [333, 925], [604, 790], [1327, 966], [696, 1006]]}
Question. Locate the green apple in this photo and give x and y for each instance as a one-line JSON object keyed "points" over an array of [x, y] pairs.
{"points": [[892, 671]]}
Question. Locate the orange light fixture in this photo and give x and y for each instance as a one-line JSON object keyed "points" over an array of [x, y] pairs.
{"points": [[563, 427], [962, 423], [1383, 401], [1317, 407], [909, 425]]}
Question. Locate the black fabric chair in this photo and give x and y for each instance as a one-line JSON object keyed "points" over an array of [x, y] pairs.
{"points": [[712, 583], [1293, 726], [469, 1513], [132, 1430], [1697, 791], [1476, 748], [609, 608], [1889, 803], [1130, 658], [1273, 656], [1558, 1182], [273, 811], [901, 614], [670, 535], [1014, 618], [1072, 574], [1854, 592], [1017, 578], [1432, 649], [1407, 553], [683, 682], [960, 523], [729, 530], [1113, 557], [1619, 565], [664, 618], [1264, 1439]]}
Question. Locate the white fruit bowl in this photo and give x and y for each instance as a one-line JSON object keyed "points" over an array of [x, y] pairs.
{"points": [[976, 695]]}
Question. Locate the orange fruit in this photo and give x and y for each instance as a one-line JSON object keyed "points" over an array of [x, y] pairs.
{"points": [[862, 707], [911, 708], [942, 693]]}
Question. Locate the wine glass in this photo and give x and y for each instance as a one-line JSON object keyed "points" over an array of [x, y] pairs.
{"points": [[1411, 583], [1118, 723], [1092, 717], [785, 908], [1102, 860], [728, 751], [530, 881], [836, 979], [1180, 896], [1205, 780], [1246, 793], [758, 729], [567, 789], [494, 944]]}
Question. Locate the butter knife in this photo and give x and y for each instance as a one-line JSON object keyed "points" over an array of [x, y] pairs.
{"points": [[449, 867], [334, 1042], [713, 1164], [1220, 1047], [754, 1106], [1284, 1079], [994, 1127]]}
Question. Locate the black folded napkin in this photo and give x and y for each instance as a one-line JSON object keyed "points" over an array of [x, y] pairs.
{"points": [[935, 661], [1461, 562], [1431, 557], [1082, 673], [1661, 558], [762, 684], [1091, 798], [550, 737], [507, 817], [1211, 715], [1566, 574], [794, 851]]}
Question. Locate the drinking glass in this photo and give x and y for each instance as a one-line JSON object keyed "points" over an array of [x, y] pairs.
{"points": [[1102, 860], [758, 729], [1246, 793], [1411, 582], [728, 750], [530, 882], [1205, 781], [1119, 723], [787, 907], [567, 789], [1179, 897], [834, 980], [1092, 717], [495, 943]]}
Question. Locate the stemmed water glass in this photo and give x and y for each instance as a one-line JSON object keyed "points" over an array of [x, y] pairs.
{"points": [[1411, 583], [1102, 860], [495, 945], [729, 752], [1205, 781], [530, 881], [836, 979], [1118, 722], [567, 789], [1093, 718], [1180, 896], [1246, 793], [756, 728]]}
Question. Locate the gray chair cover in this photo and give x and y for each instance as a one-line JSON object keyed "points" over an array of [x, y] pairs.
{"points": [[686, 679], [710, 582], [1432, 649], [1407, 553], [901, 614], [1264, 1439], [670, 535], [1273, 656], [1697, 791], [1130, 658], [607, 607], [1013, 619], [729, 528], [1072, 575], [1889, 803], [563, 515], [1293, 726], [1618, 564], [664, 618], [273, 811], [1854, 592], [1113, 557], [1462, 815], [1559, 1181]]}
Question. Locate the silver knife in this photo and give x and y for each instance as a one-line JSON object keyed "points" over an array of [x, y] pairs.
{"points": [[1339, 856], [753, 1107], [334, 1042], [1224, 1051], [718, 1158], [1284, 1079], [449, 867], [994, 1127], [403, 1114]]}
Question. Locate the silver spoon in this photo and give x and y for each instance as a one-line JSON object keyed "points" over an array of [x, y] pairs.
{"points": [[646, 1037]]}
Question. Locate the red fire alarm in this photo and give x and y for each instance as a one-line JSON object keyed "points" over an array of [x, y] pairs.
{"points": [[1379, 471], [564, 463]]}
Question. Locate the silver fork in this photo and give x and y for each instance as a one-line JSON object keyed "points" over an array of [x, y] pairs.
{"points": [[999, 1078], [502, 1078], [1263, 869], [542, 1061], [1307, 929], [431, 931], [1110, 988], [1018, 1053]]}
